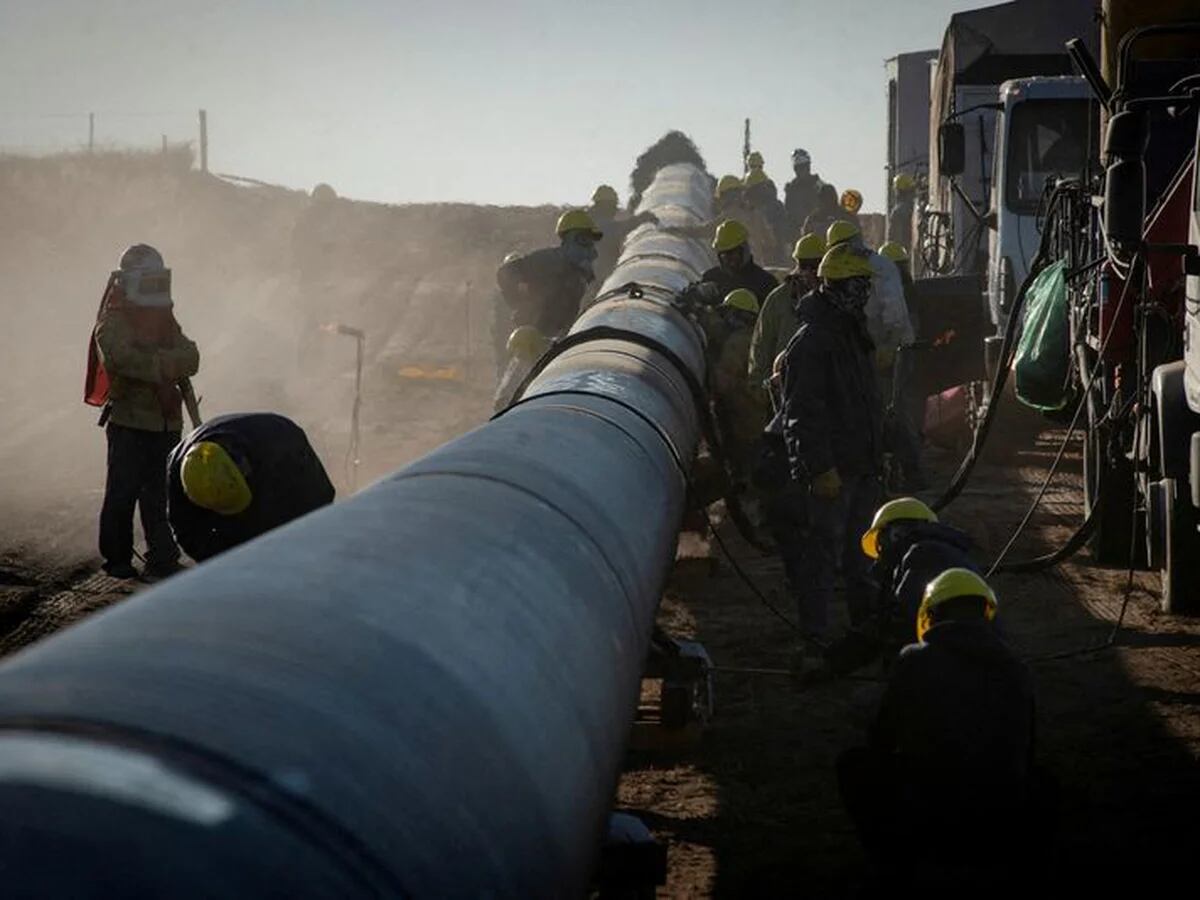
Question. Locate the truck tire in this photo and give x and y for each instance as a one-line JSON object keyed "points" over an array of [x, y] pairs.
{"points": [[1180, 571]]}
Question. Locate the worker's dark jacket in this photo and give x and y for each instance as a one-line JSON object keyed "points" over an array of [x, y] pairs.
{"points": [[831, 415], [285, 476], [553, 288], [751, 276], [915, 553], [958, 718], [800, 199]]}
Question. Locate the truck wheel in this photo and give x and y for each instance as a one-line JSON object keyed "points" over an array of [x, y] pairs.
{"points": [[1179, 569]]}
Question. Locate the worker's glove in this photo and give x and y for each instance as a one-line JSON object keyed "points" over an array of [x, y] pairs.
{"points": [[827, 485], [885, 357]]}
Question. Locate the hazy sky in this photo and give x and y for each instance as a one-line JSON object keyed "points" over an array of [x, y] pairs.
{"points": [[525, 101]]}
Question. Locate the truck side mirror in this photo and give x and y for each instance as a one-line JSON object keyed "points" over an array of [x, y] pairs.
{"points": [[1125, 201], [952, 148], [1125, 182], [1127, 136]]}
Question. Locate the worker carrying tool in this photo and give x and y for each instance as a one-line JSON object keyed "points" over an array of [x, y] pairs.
{"points": [[239, 476], [543, 288], [910, 548], [777, 320], [800, 194], [736, 266], [949, 756], [525, 347], [830, 421], [900, 216], [139, 362]]}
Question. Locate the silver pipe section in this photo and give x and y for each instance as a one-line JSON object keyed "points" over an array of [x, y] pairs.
{"points": [[424, 690]]}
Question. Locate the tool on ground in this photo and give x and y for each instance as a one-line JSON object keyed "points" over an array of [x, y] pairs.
{"points": [[352, 452]]}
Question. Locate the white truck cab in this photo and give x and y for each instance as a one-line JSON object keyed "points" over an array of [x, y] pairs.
{"points": [[1044, 131]]}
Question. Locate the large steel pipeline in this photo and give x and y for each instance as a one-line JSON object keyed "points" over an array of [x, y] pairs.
{"points": [[424, 690]]}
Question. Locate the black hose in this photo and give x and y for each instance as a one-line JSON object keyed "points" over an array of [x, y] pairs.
{"points": [[1007, 353]]}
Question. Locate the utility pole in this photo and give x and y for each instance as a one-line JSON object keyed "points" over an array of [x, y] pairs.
{"points": [[203, 140], [745, 147], [91, 132]]}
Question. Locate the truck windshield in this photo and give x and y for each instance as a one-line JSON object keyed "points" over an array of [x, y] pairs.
{"points": [[1047, 138]]}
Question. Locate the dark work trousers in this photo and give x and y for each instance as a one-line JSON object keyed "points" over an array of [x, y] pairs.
{"points": [[834, 540], [137, 476]]}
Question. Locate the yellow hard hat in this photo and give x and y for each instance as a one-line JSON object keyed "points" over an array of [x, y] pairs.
{"points": [[527, 343], [951, 584], [755, 176], [728, 183], [741, 299], [730, 235], [605, 197], [808, 248], [903, 182], [840, 231], [904, 509], [213, 481], [577, 220], [843, 261], [851, 200], [893, 251], [754, 160]]}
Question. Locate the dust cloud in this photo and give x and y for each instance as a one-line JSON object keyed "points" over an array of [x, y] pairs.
{"points": [[256, 270]]}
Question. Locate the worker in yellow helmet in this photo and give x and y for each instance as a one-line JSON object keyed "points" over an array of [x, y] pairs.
{"points": [[910, 548], [736, 267], [526, 345], [764, 214], [729, 197], [777, 320], [544, 288], [740, 412], [900, 214], [852, 202], [239, 476], [950, 751], [606, 215], [830, 423]]}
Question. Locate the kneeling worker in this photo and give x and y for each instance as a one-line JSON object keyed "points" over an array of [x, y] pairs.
{"points": [[951, 748], [239, 476]]}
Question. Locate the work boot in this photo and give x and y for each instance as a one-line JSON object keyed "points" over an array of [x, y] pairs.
{"points": [[159, 571], [121, 571]]}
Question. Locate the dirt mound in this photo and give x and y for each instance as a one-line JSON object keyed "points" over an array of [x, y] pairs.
{"points": [[257, 269]]}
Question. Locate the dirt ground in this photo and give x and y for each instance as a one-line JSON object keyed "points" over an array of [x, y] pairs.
{"points": [[752, 810]]}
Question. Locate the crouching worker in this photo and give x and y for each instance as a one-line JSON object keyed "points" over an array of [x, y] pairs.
{"points": [[911, 548], [949, 755], [239, 476]]}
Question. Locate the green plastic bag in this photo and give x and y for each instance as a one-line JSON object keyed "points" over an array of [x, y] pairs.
{"points": [[1043, 361]]}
